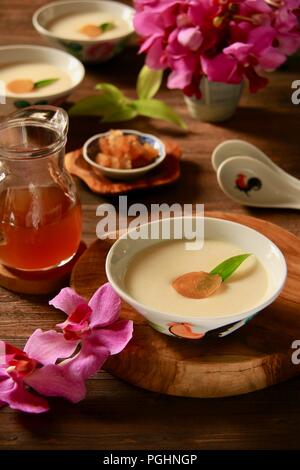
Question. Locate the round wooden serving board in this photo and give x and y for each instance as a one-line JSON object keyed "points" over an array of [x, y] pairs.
{"points": [[256, 356]]}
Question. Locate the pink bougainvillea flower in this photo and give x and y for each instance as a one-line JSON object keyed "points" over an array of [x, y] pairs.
{"points": [[20, 372], [246, 59], [248, 7], [152, 27], [190, 37], [222, 39], [258, 51], [182, 61], [258, 54], [91, 333], [287, 27]]}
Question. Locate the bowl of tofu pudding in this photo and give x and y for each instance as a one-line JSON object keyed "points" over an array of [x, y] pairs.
{"points": [[171, 280], [91, 30], [36, 75]]}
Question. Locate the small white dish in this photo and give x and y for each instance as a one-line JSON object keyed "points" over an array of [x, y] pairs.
{"points": [[91, 148], [95, 50], [29, 54], [250, 241]]}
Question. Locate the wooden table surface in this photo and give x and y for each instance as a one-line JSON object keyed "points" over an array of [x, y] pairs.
{"points": [[116, 415]]}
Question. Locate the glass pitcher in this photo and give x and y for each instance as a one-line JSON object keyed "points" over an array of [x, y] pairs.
{"points": [[40, 214]]}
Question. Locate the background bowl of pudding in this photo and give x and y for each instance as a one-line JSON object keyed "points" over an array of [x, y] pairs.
{"points": [[36, 75], [142, 270], [91, 150], [91, 30]]}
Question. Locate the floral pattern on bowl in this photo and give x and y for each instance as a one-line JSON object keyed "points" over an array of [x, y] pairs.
{"points": [[187, 330], [19, 104], [182, 330], [97, 52]]}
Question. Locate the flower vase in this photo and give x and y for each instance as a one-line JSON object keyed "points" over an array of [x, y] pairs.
{"points": [[218, 102]]}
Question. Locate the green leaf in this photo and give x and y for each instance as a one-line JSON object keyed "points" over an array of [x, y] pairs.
{"points": [[99, 105], [42, 83], [159, 110], [229, 266], [106, 27], [122, 113], [148, 82], [110, 90], [21, 104]]}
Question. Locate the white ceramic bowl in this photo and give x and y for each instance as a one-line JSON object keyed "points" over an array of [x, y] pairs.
{"points": [[29, 53], [91, 148], [87, 50], [251, 241]]}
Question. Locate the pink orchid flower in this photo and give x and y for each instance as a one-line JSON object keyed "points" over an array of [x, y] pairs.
{"points": [[21, 371], [248, 7], [221, 39], [245, 59], [287, 27], [190, 37], [154, 22], [57, 364], [90, 334]]}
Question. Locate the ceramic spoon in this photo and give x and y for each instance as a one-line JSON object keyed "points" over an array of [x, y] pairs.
{"points": [[253, 183], [233, 148]]}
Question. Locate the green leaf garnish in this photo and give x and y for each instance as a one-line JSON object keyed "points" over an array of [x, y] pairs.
{"points": [[94, 106], [106, 27], [112, 91], [148, 82], [43, 83], [113, 106], [110, 101], [157, 109], [229, 266], [122, 113]]}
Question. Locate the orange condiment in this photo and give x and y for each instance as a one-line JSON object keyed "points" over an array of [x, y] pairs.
{"points": [[91, 30], [197, 285], [20, 86], [40, 227]]}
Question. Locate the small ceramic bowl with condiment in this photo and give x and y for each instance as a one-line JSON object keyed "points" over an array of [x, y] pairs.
{"points": [[36, 75], [124, 154], [91, 30], [144, 266]]}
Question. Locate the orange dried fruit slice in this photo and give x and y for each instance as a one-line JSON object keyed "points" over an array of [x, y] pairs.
{"points": [[20, 86], [197, 285], [90, 30]]}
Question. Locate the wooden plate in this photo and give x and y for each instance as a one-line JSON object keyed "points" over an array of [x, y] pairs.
{"points": [[256, 356], [166, 173]]}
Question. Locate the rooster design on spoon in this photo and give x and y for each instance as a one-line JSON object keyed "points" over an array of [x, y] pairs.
{"points": [[246, 185]]}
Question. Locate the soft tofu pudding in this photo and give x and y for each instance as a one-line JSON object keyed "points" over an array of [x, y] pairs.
{"points": [[91, 30], [152, 271], [92, 24], [34, 79]]}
